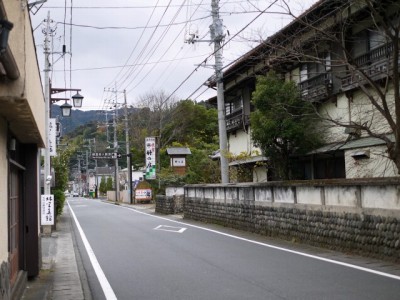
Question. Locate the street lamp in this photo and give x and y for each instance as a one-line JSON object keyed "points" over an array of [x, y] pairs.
{"points": [[66, 109], [77, 99]]}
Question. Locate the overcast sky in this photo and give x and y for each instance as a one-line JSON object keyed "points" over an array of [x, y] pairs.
{"points": [[139, 45]]}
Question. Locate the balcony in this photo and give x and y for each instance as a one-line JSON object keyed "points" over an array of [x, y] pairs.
{"points": [[376, 64], [316, 88], [237, 120]]}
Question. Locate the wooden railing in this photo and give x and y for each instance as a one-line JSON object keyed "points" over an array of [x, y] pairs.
{"points": [[316, 88], [376, 64], [237, 120]]}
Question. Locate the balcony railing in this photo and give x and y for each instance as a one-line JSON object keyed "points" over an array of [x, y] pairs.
{"points": [[237, 120], [376, 64], [317, 87]]}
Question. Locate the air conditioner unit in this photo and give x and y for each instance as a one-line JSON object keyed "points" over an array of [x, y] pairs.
{"points": [[360, 154], [352, 131]]}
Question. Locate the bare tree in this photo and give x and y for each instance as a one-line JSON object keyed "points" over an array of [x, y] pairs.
{"points": [[152, 113]]}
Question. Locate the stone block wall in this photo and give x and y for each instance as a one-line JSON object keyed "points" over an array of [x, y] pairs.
{"points": [[342, 225], [169, 205]]}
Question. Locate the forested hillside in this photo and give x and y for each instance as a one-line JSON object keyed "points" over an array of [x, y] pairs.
{"points": [[182, 123]]}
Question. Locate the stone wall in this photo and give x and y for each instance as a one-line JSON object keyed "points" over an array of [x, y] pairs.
{"points": [[340, 217], [169, 205]]}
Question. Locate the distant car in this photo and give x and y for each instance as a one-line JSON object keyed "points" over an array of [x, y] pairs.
{"points": [[75, 194], [67, 194]]}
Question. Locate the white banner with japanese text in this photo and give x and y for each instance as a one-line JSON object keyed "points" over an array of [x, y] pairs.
{"points": [[47, 210], [150, 143], [52, 142]]}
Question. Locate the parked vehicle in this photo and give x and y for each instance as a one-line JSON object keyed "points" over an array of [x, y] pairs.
{"points": [[75, 194]]}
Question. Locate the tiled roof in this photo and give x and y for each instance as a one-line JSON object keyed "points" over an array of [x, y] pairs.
{"points": [[178, 151]]}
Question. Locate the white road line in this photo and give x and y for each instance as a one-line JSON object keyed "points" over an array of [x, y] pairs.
{"points": [[105, 285], [274, 247], [170, 228]]}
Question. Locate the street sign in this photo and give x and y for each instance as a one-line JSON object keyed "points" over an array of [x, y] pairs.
{"points": [[106, 155], [47, 210]]}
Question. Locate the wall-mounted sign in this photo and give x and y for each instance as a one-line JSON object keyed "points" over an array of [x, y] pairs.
{"points": [[47, 210], [178, 161], [150, 152], [52, 144]]}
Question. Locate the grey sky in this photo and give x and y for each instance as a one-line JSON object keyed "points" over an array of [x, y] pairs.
{"points": [[117, 44]]}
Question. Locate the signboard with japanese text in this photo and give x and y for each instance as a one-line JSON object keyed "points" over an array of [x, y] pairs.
{"points": [[150, 152], [143, 194], [106, 155], [47, 210], [52, 142], [178, 161]]}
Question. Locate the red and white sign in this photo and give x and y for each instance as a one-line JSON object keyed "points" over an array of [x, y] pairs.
{"points": [[143, 194]]}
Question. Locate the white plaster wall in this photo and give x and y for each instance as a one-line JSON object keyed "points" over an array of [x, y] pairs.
{"points": [[239, 142], [284, 195], [377, 165], [3, 193], [260, 174], [174, 190], [231, 193], [200, 193], [362, 196], [208, 193], [341, 196], [263, 194], [365, 113], [358, 109], [308, 195], [335, 110], [381, 197], [219, 195]]}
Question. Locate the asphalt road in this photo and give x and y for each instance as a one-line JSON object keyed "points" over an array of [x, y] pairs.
{"points": [[134, 255]]}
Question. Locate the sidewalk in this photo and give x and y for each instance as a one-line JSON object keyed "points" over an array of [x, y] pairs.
{"points": [[59, 277]]}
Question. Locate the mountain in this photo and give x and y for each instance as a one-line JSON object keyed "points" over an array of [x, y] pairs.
{"points": [[77, 118]]}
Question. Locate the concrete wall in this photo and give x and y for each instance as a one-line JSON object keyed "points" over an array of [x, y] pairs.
{"points": [[22, 99], [124, 196], [359, 216]]}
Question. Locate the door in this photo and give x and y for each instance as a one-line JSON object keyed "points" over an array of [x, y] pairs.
{"points": [[14, 223]]}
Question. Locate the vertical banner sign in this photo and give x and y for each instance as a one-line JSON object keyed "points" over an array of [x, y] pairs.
{"points": [[52, 137], [47, 210], [150, 158]]}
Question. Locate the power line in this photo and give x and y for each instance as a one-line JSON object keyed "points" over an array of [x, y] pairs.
{"points": [[125, 27]]}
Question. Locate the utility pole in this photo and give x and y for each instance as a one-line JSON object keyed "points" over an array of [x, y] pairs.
{"points": [[128, 154], [116, 159], [217, 35], [47, 171], [87, 174], [79, 175]]}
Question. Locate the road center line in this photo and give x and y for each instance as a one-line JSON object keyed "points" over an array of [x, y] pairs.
{"points": [[105, 285], [272, 246]]}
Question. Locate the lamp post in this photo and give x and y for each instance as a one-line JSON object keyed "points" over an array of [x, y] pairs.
{"points": [[66, 107], [66, 112]]}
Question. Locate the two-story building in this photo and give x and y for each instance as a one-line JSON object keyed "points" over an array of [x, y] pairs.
{"points": [[22, 133], [344, 57]]}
